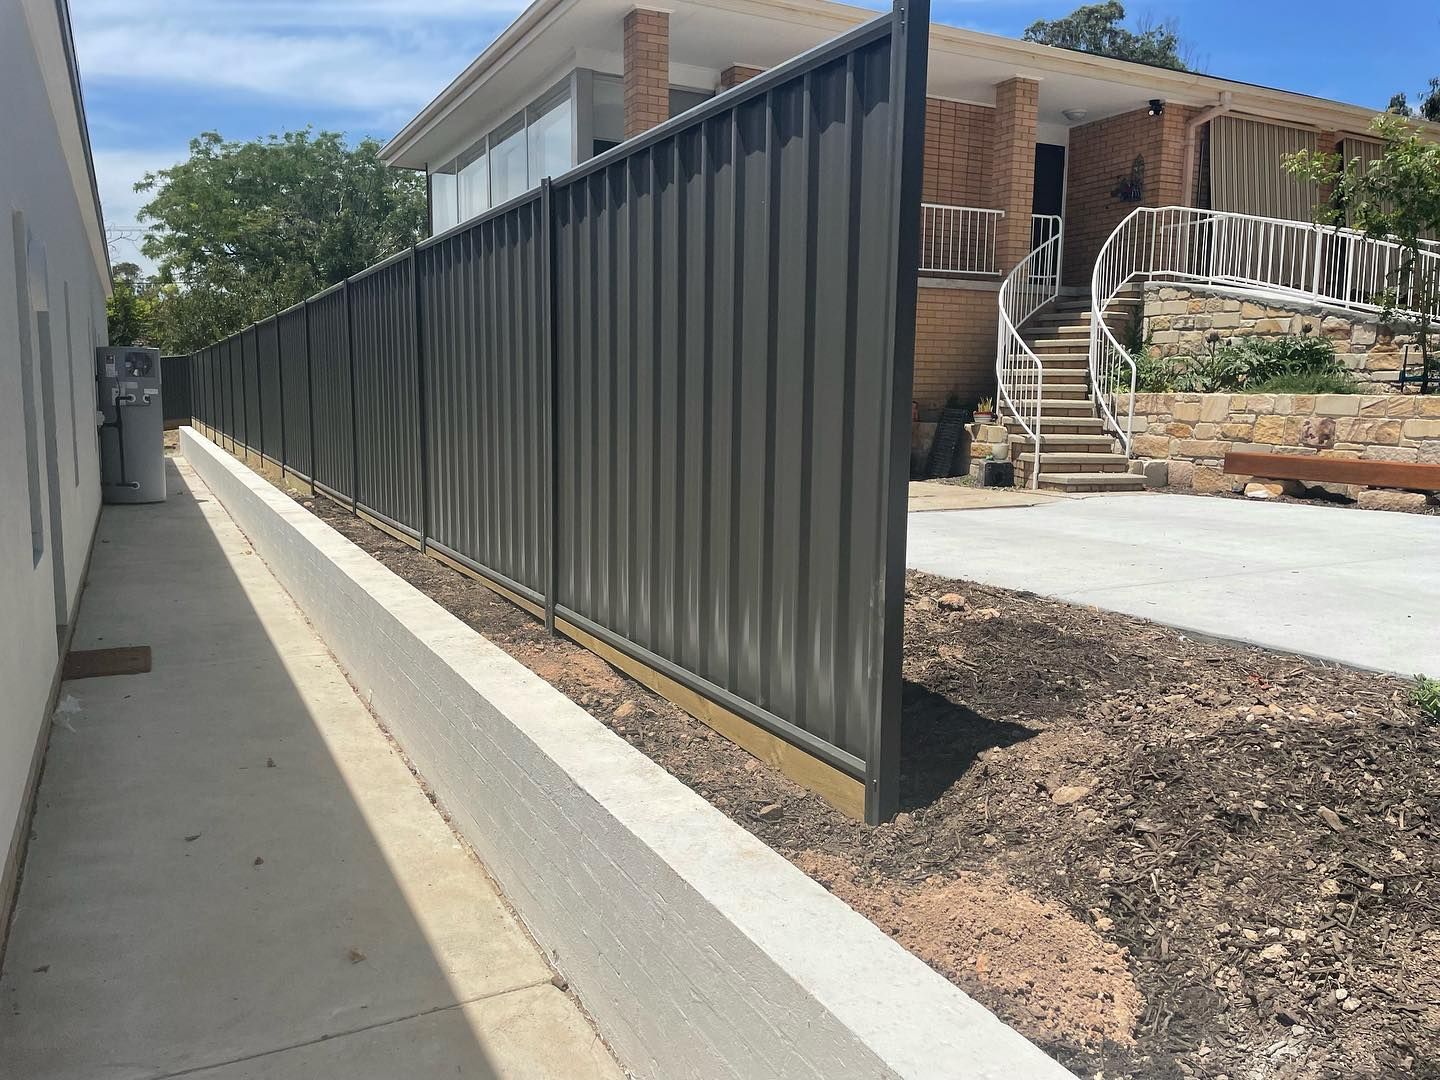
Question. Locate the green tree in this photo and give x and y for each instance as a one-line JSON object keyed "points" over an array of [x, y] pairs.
{"points": [[1396, 197], [1096, 28], [1427, 103], [241, 230], [130, 311]]}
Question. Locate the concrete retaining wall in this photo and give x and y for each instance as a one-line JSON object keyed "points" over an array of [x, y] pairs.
{"points": [[699, 951]]}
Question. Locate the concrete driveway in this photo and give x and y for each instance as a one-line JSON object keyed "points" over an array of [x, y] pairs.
{"points": [[1361, 587]]}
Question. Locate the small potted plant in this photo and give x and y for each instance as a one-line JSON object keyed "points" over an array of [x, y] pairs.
{"points": [[985, 411], [997, 472]]}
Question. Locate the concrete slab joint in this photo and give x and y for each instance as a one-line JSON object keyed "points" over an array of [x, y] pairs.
{"points": [[698, 951]]}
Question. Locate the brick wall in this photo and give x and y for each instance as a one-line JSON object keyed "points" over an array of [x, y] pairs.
{"points": [[647, 70], [736, 74], [1012, 172], [954, 344], [1101, 154], [959, 145]]}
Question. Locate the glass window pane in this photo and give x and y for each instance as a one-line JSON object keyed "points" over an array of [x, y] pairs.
{"points": [[608, 120], [442, 199], [507, 162], [474, 182], [681, 100], [550, 138]]}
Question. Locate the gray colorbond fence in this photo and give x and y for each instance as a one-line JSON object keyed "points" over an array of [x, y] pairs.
{"points": [[664, 398], [176, 378]]}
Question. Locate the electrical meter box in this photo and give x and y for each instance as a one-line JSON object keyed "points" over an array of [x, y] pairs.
{"points": [[132, 428]]}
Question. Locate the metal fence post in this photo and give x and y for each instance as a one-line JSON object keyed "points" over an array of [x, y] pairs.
{"points": [[309, 390], [909, 52], [549, 402]]}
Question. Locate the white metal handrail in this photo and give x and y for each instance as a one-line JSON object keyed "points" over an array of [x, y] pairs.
{"points": [[1269, 258], [958, 239], [1019, 374]]}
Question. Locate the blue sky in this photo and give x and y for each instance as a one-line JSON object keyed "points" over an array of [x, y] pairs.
{"points": [[157, 72]]}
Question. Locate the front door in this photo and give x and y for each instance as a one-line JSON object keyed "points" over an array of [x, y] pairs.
{"points": [[1048, 201]]}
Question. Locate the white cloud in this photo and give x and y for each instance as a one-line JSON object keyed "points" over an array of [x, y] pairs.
{"points": [[386, 57], [116, 172]]}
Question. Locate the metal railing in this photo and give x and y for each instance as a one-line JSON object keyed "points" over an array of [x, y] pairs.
{"points": [[958, 239], [1019, 374], [1269, 258]]}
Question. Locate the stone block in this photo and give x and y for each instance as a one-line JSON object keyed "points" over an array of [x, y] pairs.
{"points": [[1337, 405], [1151, 446], [1363, 334], [1209, 478], [1303, 403], [1429, 405], [1269, 429], [1421, 429], [1258, 489], [1235, 430], [1381, 432], [1317, 432], [1187, 411], [1214, 407], [1427, 453], [1181, 474], [1284, 404], [1177, 430], [1392, 453], [1225, 320], [1260, 403], [1199, 448], [1205, 430], [1156, 473], [1385, 499]]}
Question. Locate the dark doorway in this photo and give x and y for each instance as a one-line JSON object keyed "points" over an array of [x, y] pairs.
{"points": [[1049, 197]]}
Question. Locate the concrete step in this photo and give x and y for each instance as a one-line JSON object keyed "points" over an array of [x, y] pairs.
{"points": [[1062, 407], [1079, 483], [1077, 462], [1071, 391], [1063, 443]]}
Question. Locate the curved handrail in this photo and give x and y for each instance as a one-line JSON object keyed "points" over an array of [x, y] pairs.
{"points": [[1019, 374], [1269, 258]]}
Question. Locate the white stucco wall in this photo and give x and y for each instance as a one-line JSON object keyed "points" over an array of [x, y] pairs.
{"points": [[41, 148]]}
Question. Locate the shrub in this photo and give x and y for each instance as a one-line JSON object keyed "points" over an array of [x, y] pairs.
{"points": [[1426, 695], [1307, 382]]}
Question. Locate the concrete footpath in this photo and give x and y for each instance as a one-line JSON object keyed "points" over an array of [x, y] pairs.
{"points": [[233, 874], [1358, 586]]}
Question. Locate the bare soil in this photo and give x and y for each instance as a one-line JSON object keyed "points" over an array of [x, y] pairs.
{"points": [[1154, 856]]}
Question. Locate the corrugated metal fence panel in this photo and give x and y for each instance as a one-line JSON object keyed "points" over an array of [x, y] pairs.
{"points": [[295, 381], [175, 395], [1246, 174], [235, 411], [332, 410], [481, 294], [387, 397], [250, 359], [272, 398], [724, 387]]}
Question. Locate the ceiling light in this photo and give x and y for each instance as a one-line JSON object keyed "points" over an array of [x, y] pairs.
{"points": [[1075, 115]]}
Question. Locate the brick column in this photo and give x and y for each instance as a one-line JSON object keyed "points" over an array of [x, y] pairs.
{"points": [[1012, 170], [735, 74], [647, 70]]}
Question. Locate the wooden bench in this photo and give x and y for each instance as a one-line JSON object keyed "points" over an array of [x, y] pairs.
{"points": [[1405, 475]]}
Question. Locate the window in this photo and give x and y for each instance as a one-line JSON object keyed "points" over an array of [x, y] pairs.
{"points": [[682, 100], [548, 135], [607, 113], [508, 161], [443, 212], [474, 181]]}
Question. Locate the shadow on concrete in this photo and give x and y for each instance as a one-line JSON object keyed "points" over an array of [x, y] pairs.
{"points": [[941, 740], [231, 874]]}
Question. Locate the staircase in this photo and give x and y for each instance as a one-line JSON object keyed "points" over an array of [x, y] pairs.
{"points": [[1077, 453]]}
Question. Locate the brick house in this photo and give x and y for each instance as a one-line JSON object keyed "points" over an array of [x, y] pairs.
{"points": [[1024, 144]]}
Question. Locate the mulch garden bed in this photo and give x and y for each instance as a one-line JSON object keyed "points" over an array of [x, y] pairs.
{"points": [[1154, 856]]}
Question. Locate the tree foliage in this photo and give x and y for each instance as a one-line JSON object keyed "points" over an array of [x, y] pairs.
{"points": [[241, 230], [1427, 103], [1396, 197], [1097, 28], [130, 311]]}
